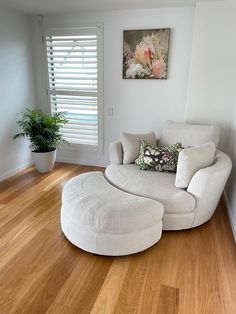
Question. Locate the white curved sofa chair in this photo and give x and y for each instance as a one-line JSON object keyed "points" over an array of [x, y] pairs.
{"points": [[183, 208]]}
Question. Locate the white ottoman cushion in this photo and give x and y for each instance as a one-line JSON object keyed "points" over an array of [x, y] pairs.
{"points": [[102, 219]]}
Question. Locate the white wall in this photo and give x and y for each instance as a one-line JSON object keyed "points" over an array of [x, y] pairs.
{"points": [[16, 87], [139, 105], [212, 93], [230, 192]]}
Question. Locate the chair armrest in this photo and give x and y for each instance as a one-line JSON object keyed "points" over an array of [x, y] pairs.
{"points": [[207, 186], [116, 153]]}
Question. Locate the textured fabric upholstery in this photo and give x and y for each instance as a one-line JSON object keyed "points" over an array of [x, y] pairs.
{"points": [[207, 186], [116, 153], [189, 134], [108, 243], [93, 202], [156, 185], [204, 190], [131, 145], [191, 160], [178, 221], [102, 219]]}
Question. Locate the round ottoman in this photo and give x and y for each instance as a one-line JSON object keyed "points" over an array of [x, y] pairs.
{"points": [[99, 218]]}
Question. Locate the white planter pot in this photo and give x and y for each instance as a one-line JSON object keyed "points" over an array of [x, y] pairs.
{"points": [[44, 162]]}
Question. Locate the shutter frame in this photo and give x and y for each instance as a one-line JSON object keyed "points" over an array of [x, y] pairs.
{"points": [[92, 91]]}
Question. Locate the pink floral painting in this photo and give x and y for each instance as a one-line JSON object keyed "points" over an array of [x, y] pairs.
{"points": [[145, 53]]}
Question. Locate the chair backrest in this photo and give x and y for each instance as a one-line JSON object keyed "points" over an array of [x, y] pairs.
{"points": [[188, 134]]}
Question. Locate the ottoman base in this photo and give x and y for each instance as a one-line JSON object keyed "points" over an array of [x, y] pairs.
{"points": [[110, 244]]}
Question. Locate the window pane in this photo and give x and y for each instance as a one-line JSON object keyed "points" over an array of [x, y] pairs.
{"points": [[73, 82]]}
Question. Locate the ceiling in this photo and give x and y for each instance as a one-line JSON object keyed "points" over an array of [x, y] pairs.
{"points": [[62, 6]]}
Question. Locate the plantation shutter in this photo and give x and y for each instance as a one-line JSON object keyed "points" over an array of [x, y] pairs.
{"points": [[72, 58]]}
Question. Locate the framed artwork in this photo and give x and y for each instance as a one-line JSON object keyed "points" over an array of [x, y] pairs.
{"points": [[145, 53]]}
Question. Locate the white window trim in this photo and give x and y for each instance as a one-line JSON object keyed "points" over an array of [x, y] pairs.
{"points": [[73, 146]]}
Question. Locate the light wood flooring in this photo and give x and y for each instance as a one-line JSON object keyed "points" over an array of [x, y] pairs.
{"points": [[190, 272]]}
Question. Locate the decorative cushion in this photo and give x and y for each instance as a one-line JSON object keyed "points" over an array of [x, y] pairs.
{"points": [[160, 159], [131, 145], [140, 160], [191, 160], [189, 134]]}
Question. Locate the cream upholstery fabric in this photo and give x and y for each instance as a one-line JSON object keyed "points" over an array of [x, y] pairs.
{"points": [[191, 160], [189, 134], [207, 186], [101, 219], [178, 221], [116, 153], [108, 243], [131, 145], [155, 185]]}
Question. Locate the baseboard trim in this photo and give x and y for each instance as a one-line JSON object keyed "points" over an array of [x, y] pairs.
{"points": [[15, 171], [81, 162], [233, 227]]}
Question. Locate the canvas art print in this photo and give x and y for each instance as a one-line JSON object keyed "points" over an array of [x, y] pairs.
{"points": [[145, 53]]}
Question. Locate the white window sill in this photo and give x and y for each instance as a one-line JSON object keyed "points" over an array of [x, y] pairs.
{"points": [[81, 147]]}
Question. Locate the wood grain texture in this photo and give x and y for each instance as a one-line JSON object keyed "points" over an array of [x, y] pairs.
{"points": [[169, 300], [189, 272]]}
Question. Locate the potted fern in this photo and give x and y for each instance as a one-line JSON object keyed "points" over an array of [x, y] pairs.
{"points": [[43, 131]]}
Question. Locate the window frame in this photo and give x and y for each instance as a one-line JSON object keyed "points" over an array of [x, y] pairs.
{"points": [[100, 81]]}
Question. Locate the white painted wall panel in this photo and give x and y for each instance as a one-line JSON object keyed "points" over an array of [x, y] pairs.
{"points": [[212, 93], [16, 87]]}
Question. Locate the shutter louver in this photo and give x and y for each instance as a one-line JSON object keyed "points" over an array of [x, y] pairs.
{"points": [[73, 82]]}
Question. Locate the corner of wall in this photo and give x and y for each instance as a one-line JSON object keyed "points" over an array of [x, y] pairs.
{"points": [[231, 220]]}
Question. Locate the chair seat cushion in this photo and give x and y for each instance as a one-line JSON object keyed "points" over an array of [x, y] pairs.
{"points": [[158, 186], [89, 201]]}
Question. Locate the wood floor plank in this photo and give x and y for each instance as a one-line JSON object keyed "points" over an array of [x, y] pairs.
{"points": [[20, 235], [8, 185], [33, 192], [80, 291], [186, 272], [110, 291], [169, 300], [30, 177], [32, 211], [131, 289], [27, 267], [156, 265], [48, 281]]}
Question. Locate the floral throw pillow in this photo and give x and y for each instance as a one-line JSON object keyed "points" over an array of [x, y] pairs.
{"points": [[158, 158], [140, 160]]}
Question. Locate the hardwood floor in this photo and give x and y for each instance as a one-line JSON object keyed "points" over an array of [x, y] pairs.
{"points": [[190, 272]]}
